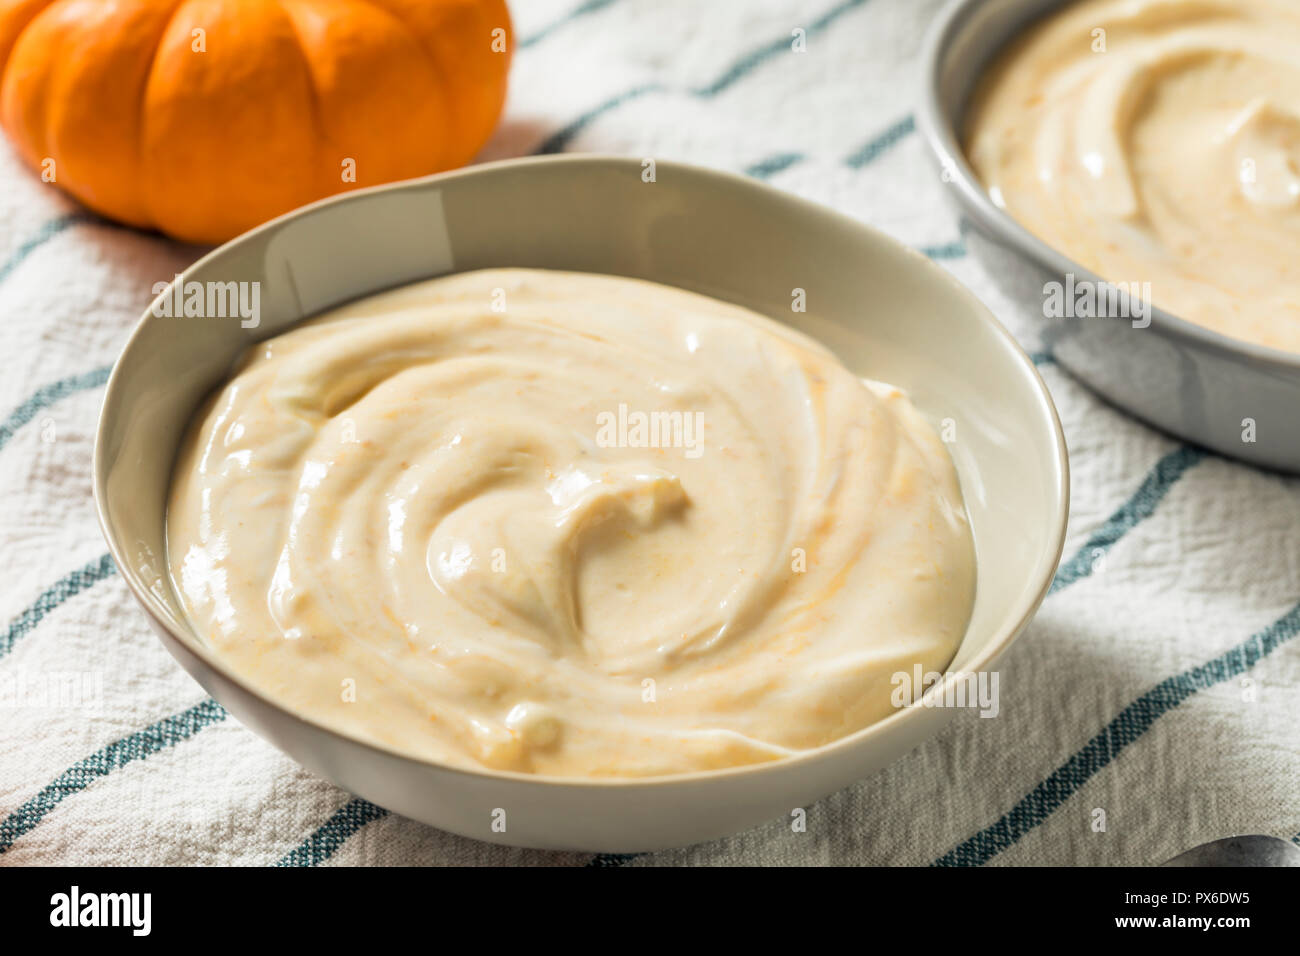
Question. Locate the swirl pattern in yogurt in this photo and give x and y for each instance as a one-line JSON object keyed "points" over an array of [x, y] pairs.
{"points": [[446, 519], [1157, 143]]}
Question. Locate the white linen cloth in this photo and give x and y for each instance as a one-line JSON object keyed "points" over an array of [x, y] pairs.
{"points": [[1159, 683]]}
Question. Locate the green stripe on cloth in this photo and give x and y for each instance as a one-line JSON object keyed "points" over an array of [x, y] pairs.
{"points": [[1131, 723], [557, 141], [333, 833], [757, 57], [43, 235], [1166, 473], [58, 592], [746, 64], [139, 745], [591, 6], [772, 165], [47, 395], [864, 155], [949, 250], [881, 143]]}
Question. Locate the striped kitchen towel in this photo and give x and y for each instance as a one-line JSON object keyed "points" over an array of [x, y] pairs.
{"points": [[1158, 684]]}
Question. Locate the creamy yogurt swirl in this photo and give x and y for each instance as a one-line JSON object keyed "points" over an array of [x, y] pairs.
{"points": [[1158, 142], [568, 524]]}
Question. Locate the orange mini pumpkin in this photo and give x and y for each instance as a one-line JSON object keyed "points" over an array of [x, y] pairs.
{"points": [[203, 118]]}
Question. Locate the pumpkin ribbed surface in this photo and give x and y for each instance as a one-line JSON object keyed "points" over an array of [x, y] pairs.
{"points": [[203, 118]]}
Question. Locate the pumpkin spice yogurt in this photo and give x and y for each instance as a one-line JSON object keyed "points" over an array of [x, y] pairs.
{"points": [[1157, 142], [568, 524]]}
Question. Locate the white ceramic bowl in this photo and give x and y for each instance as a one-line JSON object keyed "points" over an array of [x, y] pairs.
{"points": [[887, 311]]}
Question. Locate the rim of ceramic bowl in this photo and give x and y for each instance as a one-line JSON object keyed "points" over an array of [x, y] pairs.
{"points": [[1018, 618], [940, 133]]}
